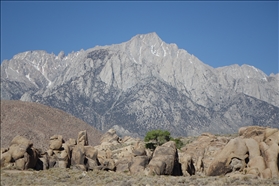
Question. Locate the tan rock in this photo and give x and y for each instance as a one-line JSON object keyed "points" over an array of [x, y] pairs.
{"points": [[253, 147], [187, 165], [236, 148], [266, 174], [6, 158], [82, 138], [78, 155], [270, 155], [257, 162], [163, 160], [272, 137], [91, 152], [55, 142], [138, 164], [110, 136], [108, 164]]}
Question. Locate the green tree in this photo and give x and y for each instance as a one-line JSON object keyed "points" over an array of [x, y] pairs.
{"points": [[156, 138]]}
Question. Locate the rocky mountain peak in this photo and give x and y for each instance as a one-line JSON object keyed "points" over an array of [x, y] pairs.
{"points": [[143, 84]]}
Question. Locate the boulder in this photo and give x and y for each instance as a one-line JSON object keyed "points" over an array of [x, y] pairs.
{"points": [[187, 165], [266, 174], [138, 164], [255, 132], [253, 147], [78, 155], [271, 136], [108, 164], [63, 159], [20, 164], [138, 149], [55, 142], [6, 158], [32, 158], [270, 155], [237, 164], [199, 166], [91, 157], [71, 142], [43, 162], [91, 152], [19, 146], [110, 136], [52, 161], [82, 138], [236, 148], [123, 165], [257, 162], [163, 160]]}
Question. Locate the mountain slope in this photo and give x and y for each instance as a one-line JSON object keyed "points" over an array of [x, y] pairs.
{"points": [[38, 122], [145, 83]]}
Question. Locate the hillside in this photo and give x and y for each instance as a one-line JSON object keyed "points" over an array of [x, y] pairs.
{"points": [[38, 122]]}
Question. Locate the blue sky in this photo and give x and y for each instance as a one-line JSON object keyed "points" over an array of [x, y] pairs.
{"points": [[218, 33]]}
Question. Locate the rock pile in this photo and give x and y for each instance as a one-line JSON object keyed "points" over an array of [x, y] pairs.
{"points": [[253, 152]]}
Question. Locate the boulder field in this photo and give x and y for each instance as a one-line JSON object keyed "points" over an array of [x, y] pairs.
{"points": [[253, 152]]}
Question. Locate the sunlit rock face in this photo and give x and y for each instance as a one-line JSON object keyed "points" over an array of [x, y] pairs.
{"points": [[144, 84]]}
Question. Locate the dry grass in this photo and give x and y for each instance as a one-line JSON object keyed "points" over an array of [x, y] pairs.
{"points": [[58, 176]]}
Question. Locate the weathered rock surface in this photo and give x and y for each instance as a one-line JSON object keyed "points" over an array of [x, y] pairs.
{"points": [[206, 155]]}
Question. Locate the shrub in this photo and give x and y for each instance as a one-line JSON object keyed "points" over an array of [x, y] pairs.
{"points": [[156, 138]]}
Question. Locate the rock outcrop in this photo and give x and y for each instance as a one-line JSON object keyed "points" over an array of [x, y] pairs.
{"points": [[254, 152], [256, 155]]}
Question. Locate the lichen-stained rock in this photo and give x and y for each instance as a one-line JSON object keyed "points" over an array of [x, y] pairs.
{"points": [[236, 148], [163, 160], [55, 142], [82, 138]]}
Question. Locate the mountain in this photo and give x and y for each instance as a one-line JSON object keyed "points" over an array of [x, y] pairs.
{"points": [[38, 123], [144, 84]]}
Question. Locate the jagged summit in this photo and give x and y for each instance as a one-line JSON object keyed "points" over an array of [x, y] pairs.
{"points": [[143, 84]]}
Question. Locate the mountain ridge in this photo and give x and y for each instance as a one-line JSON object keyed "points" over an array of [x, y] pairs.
{"points": [[107, 86]]}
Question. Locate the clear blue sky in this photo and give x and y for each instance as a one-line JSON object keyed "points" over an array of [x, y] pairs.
{"points": [[218, 33]]}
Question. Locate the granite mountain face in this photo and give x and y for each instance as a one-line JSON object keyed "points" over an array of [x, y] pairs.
{"points": [[144, 84]]}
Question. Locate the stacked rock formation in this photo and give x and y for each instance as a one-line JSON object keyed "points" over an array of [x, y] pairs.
{"points": [[21, 153], [253, 152]]}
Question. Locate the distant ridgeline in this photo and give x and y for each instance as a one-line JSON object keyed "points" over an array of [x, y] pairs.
{"points": [[144, 84]]}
